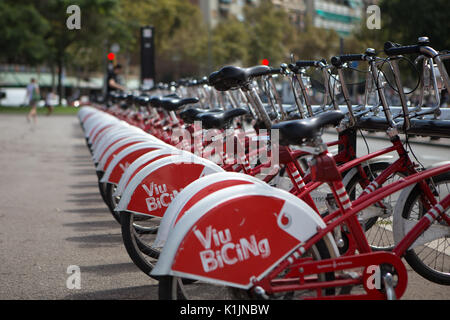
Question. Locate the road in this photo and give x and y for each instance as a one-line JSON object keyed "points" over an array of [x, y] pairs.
{"points": [[52, 217]]}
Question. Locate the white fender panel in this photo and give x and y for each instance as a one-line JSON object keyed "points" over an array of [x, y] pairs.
{"points": [[171, 215], [122, 154], [179, 171], [139, 162], [117, 146], [109, 137], [301, 224]]}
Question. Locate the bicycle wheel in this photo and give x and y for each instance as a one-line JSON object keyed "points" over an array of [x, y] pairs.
{"points": [[376, 220], [175, 288], [430, 259], [137, 238], [111, 200]]}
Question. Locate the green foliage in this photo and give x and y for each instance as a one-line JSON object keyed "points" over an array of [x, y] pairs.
{"points": [[35, 32], [315, 43], [405, 21], [270, 33], [22, 33], [230, 41]]}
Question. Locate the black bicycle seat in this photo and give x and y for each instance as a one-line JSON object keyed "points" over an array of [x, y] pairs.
{"points": [[173, 104], [297, 131], [220, 120], [191, 114], [231, 77]]}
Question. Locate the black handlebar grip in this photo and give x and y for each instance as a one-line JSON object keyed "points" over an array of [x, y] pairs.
{"points": [[275, 70], [293, 67], [339, 60], [394, 49], [306, 63], [266, 72]]}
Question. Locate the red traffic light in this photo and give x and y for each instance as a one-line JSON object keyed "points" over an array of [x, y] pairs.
{"points": [[111, 56], [265, 62]]}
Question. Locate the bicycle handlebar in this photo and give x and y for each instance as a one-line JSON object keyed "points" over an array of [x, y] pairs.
{"points": [[294, 67], [337, 61], [395, 49], [268, 72]]}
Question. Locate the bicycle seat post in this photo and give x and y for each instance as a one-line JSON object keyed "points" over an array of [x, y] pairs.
{"points": [[401, 93], [387, 112], [346, 97], [254, 98], [293, 79]]}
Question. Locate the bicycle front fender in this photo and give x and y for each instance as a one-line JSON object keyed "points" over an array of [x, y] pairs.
{"points": [[155, 186], [140, 163], [238, 235], [118, 147], [124, 158], [109, 137], [194, 193]]}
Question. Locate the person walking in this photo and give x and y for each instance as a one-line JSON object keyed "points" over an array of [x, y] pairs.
{"points": [[51, 96], [33, 96]]}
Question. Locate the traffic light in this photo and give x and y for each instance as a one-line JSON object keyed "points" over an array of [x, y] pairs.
{"points": [[111, 56]]}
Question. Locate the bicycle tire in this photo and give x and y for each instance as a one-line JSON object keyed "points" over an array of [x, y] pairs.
{"points": [[170, 288], [142, 255], [386, 237], [412, 255], [111, 202]]}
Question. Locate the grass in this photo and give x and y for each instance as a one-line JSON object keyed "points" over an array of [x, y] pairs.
{"points": [[40, 111]]}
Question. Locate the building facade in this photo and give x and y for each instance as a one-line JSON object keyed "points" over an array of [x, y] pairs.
{"points": [[343, 16]]}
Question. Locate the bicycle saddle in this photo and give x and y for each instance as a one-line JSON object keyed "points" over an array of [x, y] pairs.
{"points": [[191, 114], [231, 77], [220, 120], [297, 131], [173, 104], [155, 101], [142, 100]]}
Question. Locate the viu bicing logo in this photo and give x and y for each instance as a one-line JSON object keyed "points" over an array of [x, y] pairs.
{"points": [[73, 22], [74, 279], [373, 21]]}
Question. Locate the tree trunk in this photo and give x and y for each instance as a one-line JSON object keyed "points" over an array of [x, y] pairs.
{"points": [[60, 74]]}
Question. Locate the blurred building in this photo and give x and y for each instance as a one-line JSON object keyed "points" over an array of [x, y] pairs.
{"points": [[216, 10], [339, 15], [343, 16], [296, 10]]}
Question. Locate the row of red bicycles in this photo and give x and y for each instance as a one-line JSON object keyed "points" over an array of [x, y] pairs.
{"points": [[223, 191]]}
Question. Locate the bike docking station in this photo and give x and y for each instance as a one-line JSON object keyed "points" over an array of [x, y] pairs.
{"points": [[222, 195]]}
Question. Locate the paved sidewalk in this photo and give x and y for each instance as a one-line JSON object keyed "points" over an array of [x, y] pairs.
{"points": [[52, 216]]}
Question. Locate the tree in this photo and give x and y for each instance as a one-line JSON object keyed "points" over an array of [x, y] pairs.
{"points": [[315, 43], [22, 33], [406, 21], [270, 33], [230, 43], [59, 38], [179, 33]]}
